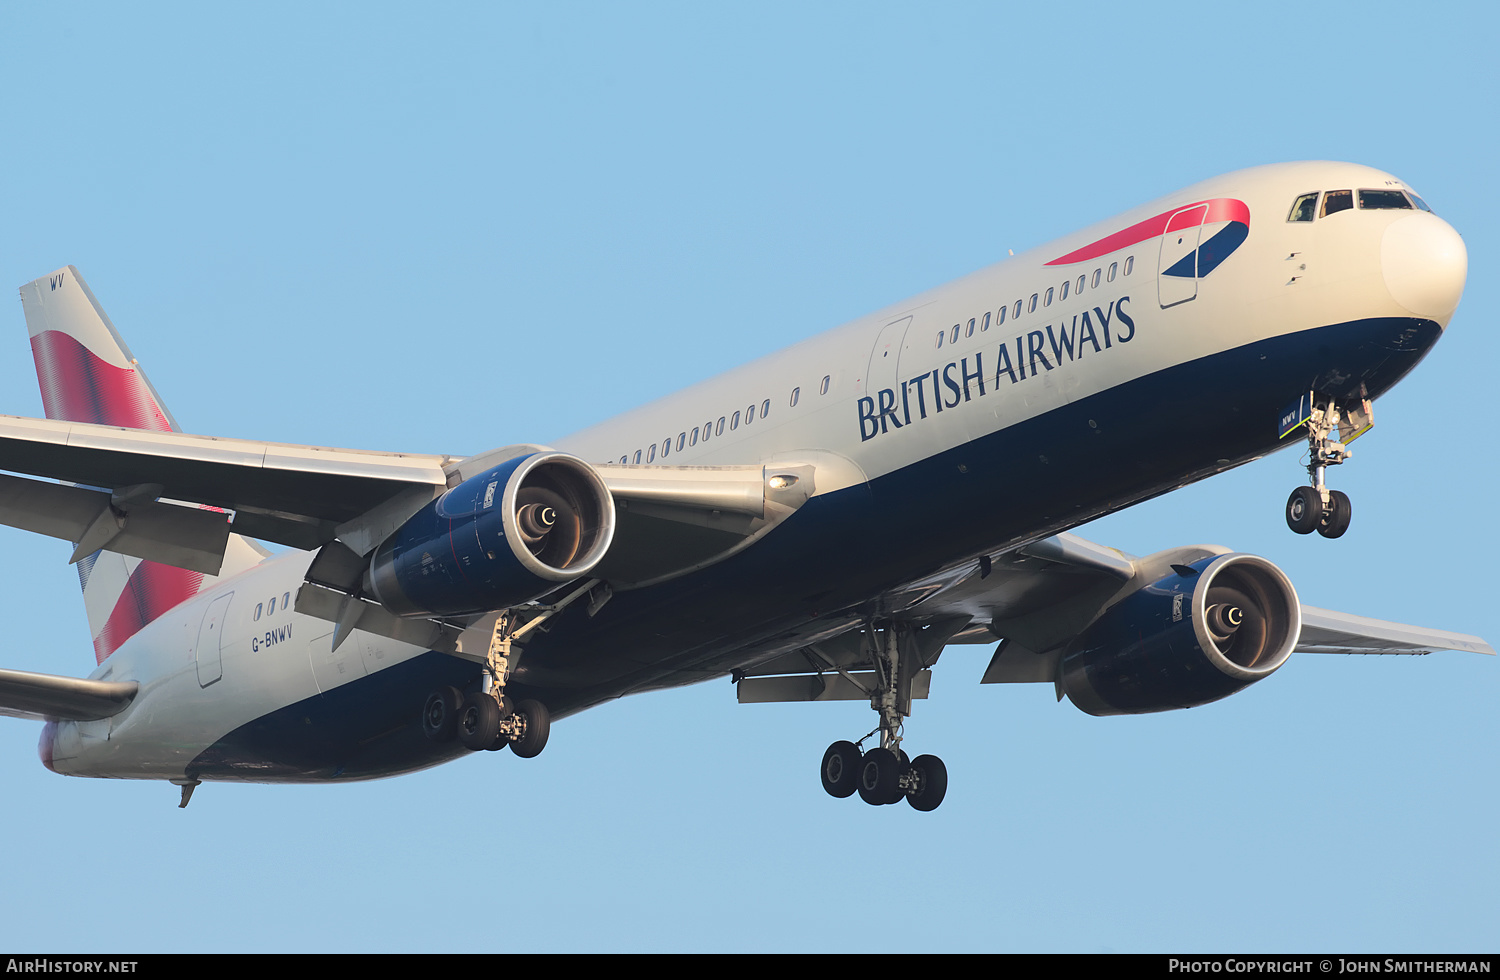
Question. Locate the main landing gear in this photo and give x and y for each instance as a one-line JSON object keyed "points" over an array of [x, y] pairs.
{"points": [[486, 719], [884, 774], [1317, 508]]}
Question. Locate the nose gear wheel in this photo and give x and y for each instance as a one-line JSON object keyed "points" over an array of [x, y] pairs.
{"points": [[1330, 429]]}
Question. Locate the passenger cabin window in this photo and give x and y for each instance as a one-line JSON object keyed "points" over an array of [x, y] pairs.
{"points": [[1097, 274], [796, 393], [1113, 268], [1304, 207], [940, 336], [1336, 201], [1080, 284], [638, 456], [986, 324], [681, 440], [765, 408], [651, 456], [1001, 318], [719, 429], [954, 339], [734, 421], [1129, 263], [1048, 300], [708, 429], [1064, 294], [970, 332], [258, 607], [666, 447], [823, 390], [1032, 308], [693, 437], [1382, 200]]}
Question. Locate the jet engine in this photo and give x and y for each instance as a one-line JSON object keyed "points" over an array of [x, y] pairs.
{"points": [[504, 537], [1211, 628]]}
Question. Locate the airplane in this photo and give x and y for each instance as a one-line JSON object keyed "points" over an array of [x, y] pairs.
{"points": [[818, 525]]}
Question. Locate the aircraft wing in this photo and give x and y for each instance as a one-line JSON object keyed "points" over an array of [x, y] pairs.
{"points": [[292, 495], [677, 518], [46, 696], [1030, 603], [1069, 580], [1326, 631]]}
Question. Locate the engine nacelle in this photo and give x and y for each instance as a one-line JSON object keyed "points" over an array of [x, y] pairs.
{"points": [[1211, 628], [512, 533]]}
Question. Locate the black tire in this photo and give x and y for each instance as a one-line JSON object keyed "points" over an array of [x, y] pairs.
{"points": [[440, 714], [538, 727], [478, 721], [879, 774], [1336, 519], [841, 770], [1304, 510], [932, 783]]}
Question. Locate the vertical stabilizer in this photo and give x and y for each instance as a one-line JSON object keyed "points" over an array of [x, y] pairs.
{"points": [[87, 374]]}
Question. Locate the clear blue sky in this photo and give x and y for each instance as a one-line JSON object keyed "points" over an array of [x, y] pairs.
{"points": [[444, 228]]}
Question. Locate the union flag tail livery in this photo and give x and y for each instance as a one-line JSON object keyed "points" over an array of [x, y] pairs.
{"points": [[87, 374]]}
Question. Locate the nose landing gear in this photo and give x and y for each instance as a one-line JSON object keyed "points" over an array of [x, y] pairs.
{"points": [[1317, 508]]}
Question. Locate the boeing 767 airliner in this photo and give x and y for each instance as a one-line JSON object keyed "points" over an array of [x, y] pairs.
{"points": [[819, 524]]}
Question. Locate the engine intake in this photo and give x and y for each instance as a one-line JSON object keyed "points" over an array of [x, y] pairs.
{"points": [[507, 536], [1211, 628]]}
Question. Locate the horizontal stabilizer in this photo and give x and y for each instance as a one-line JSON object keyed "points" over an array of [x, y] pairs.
{"points": [[47, 696]]}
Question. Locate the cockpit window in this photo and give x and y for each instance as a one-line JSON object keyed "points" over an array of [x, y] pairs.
{"points": [[1383, 200], [1336, 201], [1418, 202], [1304, 207]]}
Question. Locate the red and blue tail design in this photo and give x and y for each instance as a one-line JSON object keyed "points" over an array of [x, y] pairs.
{"points": [[87, 374]]}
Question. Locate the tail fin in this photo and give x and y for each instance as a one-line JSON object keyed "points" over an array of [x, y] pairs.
{"points": [[87, 374]]}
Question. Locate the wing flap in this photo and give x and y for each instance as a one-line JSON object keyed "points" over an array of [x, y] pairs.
{"points": [[183, 536], [24, 694]]}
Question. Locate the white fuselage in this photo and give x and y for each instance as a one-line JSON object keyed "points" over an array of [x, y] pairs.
{"points": [[873, 398]]}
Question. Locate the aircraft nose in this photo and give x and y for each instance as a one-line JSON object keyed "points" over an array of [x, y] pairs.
{"points": [[1425, 264]]}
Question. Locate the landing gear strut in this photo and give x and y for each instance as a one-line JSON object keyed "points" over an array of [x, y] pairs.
{"points": [[1317, 508], [884, 774], [487, 719]]}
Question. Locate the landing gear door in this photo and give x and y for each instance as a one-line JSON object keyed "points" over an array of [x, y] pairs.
{"points": [[206, 649], [1177, 270]]}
